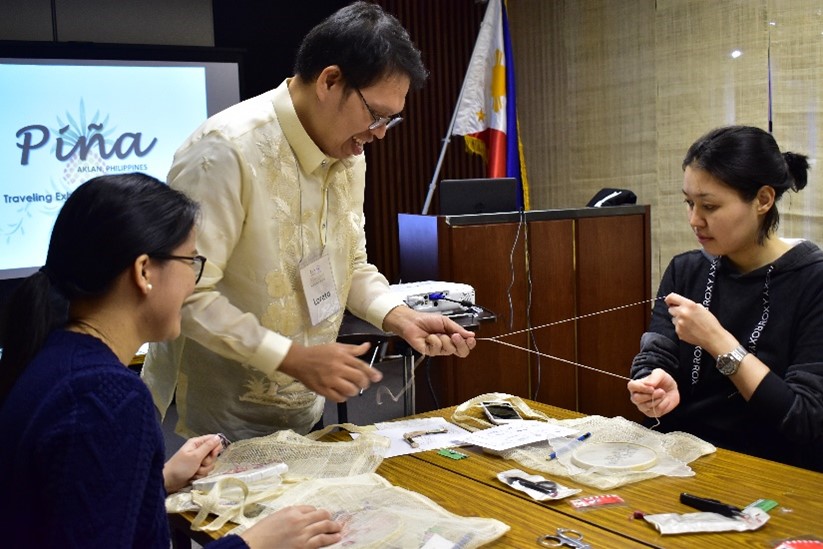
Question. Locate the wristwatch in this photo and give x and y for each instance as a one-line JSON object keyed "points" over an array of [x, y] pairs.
{"points": [[728, 363]]}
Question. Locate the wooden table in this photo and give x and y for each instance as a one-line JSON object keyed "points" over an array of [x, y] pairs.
{"points": [[469, 487], [459, 496], [728, 476]]}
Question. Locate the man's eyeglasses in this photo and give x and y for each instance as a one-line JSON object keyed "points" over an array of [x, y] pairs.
{"points": [[379, 121], [197, 262]]}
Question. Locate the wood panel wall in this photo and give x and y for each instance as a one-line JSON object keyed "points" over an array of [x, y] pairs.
{"points": [[400, 167], [580, 262]]}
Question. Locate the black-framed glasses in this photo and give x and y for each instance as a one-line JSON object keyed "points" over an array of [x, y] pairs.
{"points": [[197, 262], [379, 121]]}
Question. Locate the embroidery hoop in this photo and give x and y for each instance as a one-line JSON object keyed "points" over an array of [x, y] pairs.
{"points": [[614, 456]]}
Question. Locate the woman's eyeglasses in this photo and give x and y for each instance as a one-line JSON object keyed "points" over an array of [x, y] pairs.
{"points": [[197, 262]]}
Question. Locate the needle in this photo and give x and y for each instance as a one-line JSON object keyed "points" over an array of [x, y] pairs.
{"points": [[371, 364]]}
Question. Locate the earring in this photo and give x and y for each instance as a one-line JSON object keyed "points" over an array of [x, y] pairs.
{"points": [[149, 287]]}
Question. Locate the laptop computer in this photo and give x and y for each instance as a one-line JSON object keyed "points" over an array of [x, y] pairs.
{"points": [[476, 196]]}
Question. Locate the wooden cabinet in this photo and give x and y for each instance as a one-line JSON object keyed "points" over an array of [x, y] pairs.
{"points": [[580, 278]]}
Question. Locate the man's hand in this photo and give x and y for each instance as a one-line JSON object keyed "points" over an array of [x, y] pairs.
{"points": [[429, 334], [332, 370]]}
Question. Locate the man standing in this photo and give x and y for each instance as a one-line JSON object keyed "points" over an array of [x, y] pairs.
{"points": [[281, 179]]}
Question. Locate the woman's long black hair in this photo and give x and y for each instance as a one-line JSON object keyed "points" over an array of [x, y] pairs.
{"points": [[105, 224]]}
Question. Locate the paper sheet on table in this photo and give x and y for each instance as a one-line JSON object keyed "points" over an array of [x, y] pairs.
{"points": [[517, 433], [394, 431]]}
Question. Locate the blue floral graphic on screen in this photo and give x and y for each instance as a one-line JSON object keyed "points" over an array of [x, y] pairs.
{"points": [[81, 144]]}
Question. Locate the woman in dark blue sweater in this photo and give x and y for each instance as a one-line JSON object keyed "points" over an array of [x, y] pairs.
{"points": [[83, 453], [734, 353]]}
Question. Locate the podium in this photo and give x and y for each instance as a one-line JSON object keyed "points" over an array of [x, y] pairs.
{"points": [[554, 270]]}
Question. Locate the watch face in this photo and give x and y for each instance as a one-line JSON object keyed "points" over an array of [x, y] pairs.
{"points": [[728, 363]]}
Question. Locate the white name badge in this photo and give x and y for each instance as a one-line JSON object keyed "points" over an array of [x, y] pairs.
{"points": [[318, 286]]}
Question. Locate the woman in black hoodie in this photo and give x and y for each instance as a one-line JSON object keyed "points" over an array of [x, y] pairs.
{"points": [[734, 351]]}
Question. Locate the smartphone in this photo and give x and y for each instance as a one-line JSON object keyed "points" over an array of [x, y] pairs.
{"points": [[501, 412]]}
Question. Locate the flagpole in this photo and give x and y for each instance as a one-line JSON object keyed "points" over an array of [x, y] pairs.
{"points": [[447, 139]]}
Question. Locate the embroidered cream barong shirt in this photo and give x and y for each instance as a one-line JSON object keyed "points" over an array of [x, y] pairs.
{"points": [[271, 199]]}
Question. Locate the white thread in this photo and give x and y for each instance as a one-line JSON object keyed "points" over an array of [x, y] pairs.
{"points": [[655, 414], [511, 269], [496, 339], [576, 318], [384, 389], [512, 345]]}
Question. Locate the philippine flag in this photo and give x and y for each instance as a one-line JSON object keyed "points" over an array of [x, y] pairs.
{"points": [[487, 113]]}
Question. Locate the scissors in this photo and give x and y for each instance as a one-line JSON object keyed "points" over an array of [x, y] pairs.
{"points": [[545, 486], [564, 536]]}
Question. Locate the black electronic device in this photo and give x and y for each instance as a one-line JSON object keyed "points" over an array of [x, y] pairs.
{"points": [[612, 197], [500, 412], [478, 196]]}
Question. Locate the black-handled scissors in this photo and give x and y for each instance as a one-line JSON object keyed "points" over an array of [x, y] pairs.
{"points": [[710, 505], [545, 486], [563, 536]]}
